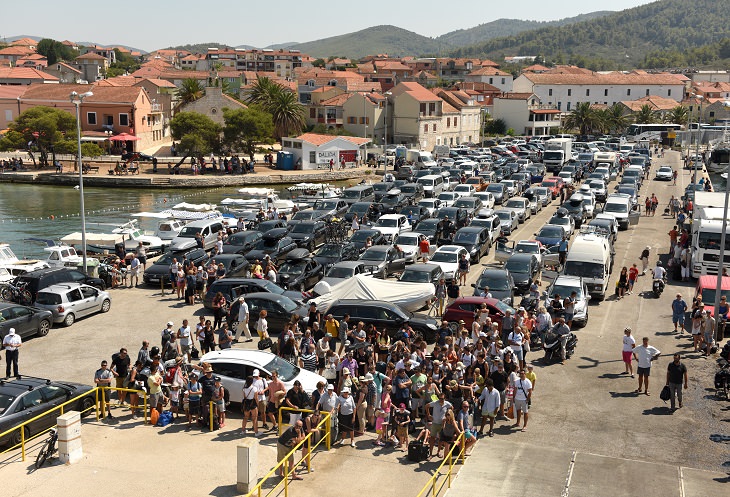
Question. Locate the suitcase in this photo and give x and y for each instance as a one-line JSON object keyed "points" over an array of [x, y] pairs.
{"points": [[417, 452]]}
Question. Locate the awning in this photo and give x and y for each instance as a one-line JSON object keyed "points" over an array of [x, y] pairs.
{"points": [[124, 137], [93, 139], [545, 111]]}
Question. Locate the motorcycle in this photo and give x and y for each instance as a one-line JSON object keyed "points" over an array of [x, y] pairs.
{"points": [[551, 345], [722, 382], [530, 303], [657, 287]]}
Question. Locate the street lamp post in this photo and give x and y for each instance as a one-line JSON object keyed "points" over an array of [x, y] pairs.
{"points": [[76, 99], [697, 143], [385, 137], [721, 260]]}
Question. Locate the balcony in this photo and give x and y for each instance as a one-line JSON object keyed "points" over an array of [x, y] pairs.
{"points": [[156, 107]]}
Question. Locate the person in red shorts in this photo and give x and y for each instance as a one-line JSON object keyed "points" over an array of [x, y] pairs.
{"points": [[633, 274]]}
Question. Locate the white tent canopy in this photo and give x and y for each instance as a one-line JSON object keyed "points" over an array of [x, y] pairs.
{"points": [[195, 207], [93, 239], [407, 296], [257, 192]]}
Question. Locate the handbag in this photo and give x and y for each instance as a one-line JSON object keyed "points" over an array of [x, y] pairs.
{"points": [[265, 343], [665, 394], [329, 373]]}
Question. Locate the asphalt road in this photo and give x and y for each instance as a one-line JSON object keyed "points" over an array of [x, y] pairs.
{"points": [[586, 406]]}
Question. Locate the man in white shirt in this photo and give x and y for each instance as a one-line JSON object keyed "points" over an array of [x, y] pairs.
{"points": [[242, 326], [490, 401], [659, 271], [11, 344], [644, 355], [260, 385], [523, 392], [184, 339]]}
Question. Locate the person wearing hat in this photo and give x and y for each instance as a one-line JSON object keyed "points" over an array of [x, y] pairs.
{"points": [[194, 393], [346, 415], [250, 406], [644, 257], [401, 420], [328, 403], [243, 317], [709, 332], [167, 333]]}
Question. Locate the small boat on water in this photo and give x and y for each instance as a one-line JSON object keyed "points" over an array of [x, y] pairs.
{"points": [[720, 155], [15, 266], [59, 254], [306, 194], [129, 234], [261, 198]]}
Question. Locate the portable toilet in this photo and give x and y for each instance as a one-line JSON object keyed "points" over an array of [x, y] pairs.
{"points": [[285, 161]]}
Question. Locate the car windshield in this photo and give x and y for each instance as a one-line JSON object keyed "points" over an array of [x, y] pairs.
{"points": [[373, 255], [189, 232], [408, 189], [559, 220], [708, 294], [362, 235], [566, 290], [167, 258], [341, 272], [357, 209], [413, 276], [390, 199], [387, 223], [329, 250], [48, 298], [451, 257], [382, 187], [515, 204], [464, 237], [492, 188], [287, 371], [665, 169], [504, 216], [550, 232], [527, 248], [517, 266], [303, 216], [711, 241], [267, 243], [351, 194], [447, 196], [596, 185], [303, 228], [616, 207], [542, 192], [408, 240], [428, 225], [6, 401], [467, 203], [294, 267], [496, 283], [584, 269]]}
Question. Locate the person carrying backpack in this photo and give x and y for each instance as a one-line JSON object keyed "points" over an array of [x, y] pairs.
{"points": [[167, 333]]}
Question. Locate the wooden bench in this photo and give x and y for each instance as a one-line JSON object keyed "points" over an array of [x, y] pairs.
{"points": [[133, 170], [90, 169]]}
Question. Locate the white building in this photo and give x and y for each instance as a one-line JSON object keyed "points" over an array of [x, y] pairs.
{"points": [[524, 113], [493, 76], [565, 89], [311, 150]]}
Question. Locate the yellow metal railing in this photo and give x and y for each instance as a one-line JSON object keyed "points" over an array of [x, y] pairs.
{"points": [[449, 459], [99, 406], [283, 465]]}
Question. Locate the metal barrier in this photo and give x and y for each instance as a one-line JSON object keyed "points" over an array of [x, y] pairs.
{"points": [[283, 464], [449, 458], [99, 406]]}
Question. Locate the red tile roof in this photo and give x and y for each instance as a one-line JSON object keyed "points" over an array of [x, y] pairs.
{"points": [[418, 92], [488, 71], [613, 78], [18, 50], [102, 94], [318, 140], [12, 92], [28, 42], [25, 73], [654, 101], [69, 67], [90, 56]]}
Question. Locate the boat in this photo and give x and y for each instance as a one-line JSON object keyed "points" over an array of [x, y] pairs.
{"points": [[720, 155], [167, 228], [129, 234], [59, 254], [261, 198], [15, 266], [306, 194]]}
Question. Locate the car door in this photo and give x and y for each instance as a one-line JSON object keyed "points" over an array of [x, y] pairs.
{"points": [[634, 216], [31, 405], [90, 300], [7, 321], [504, 250], [396, 261], [233, 376], [551, 256], [23, 322]]}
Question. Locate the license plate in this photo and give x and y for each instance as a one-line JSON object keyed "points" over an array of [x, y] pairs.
{"points": [[154, 280]]}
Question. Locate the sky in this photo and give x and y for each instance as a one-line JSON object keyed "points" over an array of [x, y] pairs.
{"points": [[149, 25]]}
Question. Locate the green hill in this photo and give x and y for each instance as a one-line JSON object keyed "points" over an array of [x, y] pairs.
{"points": [[508, 27], [621, 39]]}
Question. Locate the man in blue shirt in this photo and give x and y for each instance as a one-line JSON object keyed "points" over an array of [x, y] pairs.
{"points": [[563, 250], [679, 308]]}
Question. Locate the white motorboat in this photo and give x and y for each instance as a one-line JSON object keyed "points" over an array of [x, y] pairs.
{"points": [[15, 266], [261, 198], [720, 155], [129, 234], [59, 254], [306, 194]]}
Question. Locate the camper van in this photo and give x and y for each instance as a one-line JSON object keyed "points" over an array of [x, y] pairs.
{"points": [[590, 258], [433, 185]]}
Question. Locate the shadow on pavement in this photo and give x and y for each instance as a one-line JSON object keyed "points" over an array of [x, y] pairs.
{"points": [[617, 395], [225, 491], [658, 411]]}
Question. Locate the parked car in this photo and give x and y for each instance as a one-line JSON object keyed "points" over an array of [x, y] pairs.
{"points": [[241, 242], [332, 253], [464, 308], [447, 199], [554, 183], [275, 243], [458, 216], [550, 234], [160, 269], [471, 204], [309, 234], [299, 271], [232, 288], [331, 207], [235, 265], [393, 201], [499, 282], [422, 273], [359, 238], [70, 301], [27, 321], [475, 240], [564, 286], [26, 398], [341, 271], [410, 244], [34, 281], [279, 309], [362, 209], [499, 191], [664, 173], [391, 225], [447, 256], [508, 220], [564, 220], [384, 316], [415, 214], [383, 260], [524, 269], [520, 206]]}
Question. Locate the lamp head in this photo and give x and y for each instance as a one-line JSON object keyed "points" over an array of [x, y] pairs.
{"points": [[87, 94]]}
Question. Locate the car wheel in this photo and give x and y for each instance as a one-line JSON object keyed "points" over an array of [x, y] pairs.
{"points": [[69, 320], [100, 286], [15, 437], [86, 404], [106, 305], [44, 327]]}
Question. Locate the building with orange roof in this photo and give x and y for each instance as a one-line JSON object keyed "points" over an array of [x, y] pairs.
{"points": [[213, 103], [491, 75], [107, 52], [113, 109], [10, 103], [194, 62], [24, 76], [282, 62], [66, 73], [315, 151], [93, 66], [13, 53], [25, 42], [565, 87], [36, 61], [525, 113], [309, 80]]}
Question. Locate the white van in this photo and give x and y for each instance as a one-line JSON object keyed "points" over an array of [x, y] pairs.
{"points": [[619, 206], [590, 258], [433, 185], [208, 229]]}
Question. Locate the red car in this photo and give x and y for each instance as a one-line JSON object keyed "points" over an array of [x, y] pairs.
{"points": [[554, 183], [465, 307]]}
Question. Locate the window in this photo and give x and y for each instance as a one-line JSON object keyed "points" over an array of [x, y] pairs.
{"points": [[52, 392], [32, 399], [647, 92], [669, 92], [588, 92], [312, 157], [503, 80], [550, 92], [362, 120], [8, 115], [123, 119], [605, 92], [422, 108], [491, 81], [628, 91], [570, 92], [312, 113], [91, 118], [456, 121], [311, 83], [448, 122], [425, 128], [567, 108], [434, 128], [431, 108]]}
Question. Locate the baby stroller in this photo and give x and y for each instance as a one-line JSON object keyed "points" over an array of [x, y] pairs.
{"points": [[666, 211]]}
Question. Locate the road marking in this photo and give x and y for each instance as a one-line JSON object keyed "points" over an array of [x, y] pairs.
{"points": [[566, 489], [681, 481]]}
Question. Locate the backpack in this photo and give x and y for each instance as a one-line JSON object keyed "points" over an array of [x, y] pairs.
{"points": [[170, 375], [166, 334], [164, 419], [142, 377]]}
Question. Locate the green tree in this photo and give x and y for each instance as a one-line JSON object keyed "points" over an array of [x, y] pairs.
{"points": [[55, 50], [190, 91], [124, 64], [45, 128], [677, 115], [583, 118], [246, 128], [495, 127], [318, 63], [615, 119], [197, 134], [281, 103], [646, 115]]}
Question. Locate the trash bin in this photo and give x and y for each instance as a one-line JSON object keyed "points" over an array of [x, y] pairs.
{"points": [[92, 267]]}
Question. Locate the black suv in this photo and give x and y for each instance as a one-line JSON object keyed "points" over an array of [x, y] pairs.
{"points": [[43, 278], [231, 288], [309, 234], [275, 243], [241, 242], [330, 254], [384, 315], [160, 270]]}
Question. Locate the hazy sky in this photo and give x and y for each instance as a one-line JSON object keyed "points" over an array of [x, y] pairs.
{"points": [[149, 25]]}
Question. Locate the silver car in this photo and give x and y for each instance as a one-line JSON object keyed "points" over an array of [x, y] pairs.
{"points": [[69, 301]]}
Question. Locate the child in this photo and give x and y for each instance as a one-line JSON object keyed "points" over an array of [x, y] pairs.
{"points": [[194, 393], [380, 426], [175, 400], [220, 403], [402, 419]]}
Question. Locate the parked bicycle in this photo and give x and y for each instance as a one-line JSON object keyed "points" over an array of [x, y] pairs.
{"points": [[49, 448], [19, 294]]}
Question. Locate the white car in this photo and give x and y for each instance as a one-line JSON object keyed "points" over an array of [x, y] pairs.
{"points": [[486, 198], [234, 365], [447, 257], [391, 225], [564, 286], [464, 190], [520, 206], [544, 194], [410, 244], [567, 222], [567, 177], [508, 220], [665, 173], [431, 205], [447, 199], [511, 187], [598, 188], [589, 202]]}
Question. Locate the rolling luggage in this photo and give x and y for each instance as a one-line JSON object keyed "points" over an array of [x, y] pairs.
{"points": [[417, 452]]}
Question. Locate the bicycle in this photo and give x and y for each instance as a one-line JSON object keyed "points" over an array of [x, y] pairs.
{"points": [[19, 294], [49, 448]]}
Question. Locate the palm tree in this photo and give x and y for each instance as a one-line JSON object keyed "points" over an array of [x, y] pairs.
{"points": [[281, 103], [646, 115], [678, 115], [615, 119], [260, 92], [582, 118], [190, 91]]}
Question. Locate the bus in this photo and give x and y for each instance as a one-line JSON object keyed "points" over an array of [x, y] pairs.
{"points": [[639, 132]]}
